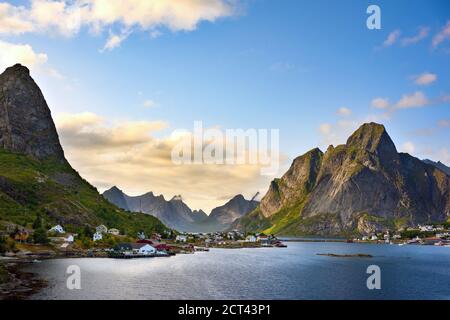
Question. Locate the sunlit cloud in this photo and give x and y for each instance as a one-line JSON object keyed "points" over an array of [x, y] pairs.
{"points": [[127, 154], [425, 79], [380, 103], [442, 35], [422, 34], [392, 38], [11, 54], [343, 111]]}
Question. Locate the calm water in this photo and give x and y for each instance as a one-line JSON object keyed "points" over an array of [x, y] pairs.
{"points": [[296, 272]]}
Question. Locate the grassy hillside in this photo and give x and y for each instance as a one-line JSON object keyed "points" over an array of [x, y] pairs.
{"points": [[54, 189]]}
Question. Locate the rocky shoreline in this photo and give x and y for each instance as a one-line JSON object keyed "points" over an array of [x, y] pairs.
{"points": [[16, 284]]}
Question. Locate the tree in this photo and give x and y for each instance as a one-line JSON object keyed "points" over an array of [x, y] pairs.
{"points": [[40, 236], [37, 224], [3, 247], [87, 232]]}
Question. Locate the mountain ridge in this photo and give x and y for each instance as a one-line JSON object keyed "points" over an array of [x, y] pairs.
{"points": [[176, 214], [356, 188]]}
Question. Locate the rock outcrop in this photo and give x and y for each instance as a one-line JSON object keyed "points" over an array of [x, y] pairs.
{"points": [[26, 125]]}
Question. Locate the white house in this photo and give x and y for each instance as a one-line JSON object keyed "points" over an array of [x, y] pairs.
{"points": [[181, 238], [374, 237], [57, 229], [97, 236], [250, 238], [101, 229], [426, 228], [141, 235], [143, 248], [114, 232], [69, 239]]}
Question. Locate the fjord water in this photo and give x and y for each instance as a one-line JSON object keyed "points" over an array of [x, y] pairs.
{"points": [[296, 272]]}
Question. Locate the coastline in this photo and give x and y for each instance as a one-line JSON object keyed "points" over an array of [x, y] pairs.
{"points": [[16, 284]]}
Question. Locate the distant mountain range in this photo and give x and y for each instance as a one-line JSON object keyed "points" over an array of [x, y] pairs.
{"points": [[176, 214], [359, 187], [438, 165]]}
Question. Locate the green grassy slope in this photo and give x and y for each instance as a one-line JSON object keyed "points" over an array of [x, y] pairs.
{"points": [[29, 186]]}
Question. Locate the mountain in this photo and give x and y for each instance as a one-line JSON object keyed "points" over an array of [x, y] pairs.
{"points": [[438, 165], [222, 217], [360, 187], [35, 177], [176, 214]]}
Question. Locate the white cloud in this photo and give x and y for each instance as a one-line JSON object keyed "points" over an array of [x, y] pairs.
{"points": [[13, 20], [422, 34], [408, 147], [425, 79], [155, 34], [380, 103], [11, 54], [415, 100], [66, 17], [325, 128], [443, 35], [392, 38], [115, 40], [343, 111]]}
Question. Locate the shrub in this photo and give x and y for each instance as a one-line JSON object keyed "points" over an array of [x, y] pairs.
{"points": [[40, 236], [3, 247]]}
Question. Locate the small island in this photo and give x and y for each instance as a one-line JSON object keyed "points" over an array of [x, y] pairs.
{"points": [[355, 255]]}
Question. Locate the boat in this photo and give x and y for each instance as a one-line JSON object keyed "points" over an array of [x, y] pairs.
{"points": [[201, 249]]}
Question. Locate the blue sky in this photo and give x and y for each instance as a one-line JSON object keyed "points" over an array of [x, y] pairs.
{"points": [[265, 64]]}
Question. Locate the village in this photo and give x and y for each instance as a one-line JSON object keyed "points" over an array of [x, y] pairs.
{"points": [[104, 242], [430, 234], [109, 242]]}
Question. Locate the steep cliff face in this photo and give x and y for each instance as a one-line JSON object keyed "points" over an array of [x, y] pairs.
{"points": [[26, 125], [34, 175], [360, 187], [295, 185]]}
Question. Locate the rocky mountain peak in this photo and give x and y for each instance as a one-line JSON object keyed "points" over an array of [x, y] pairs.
{"points": [[372, 137], [114, 189], [17, 70], [26, 125], [177, 198]]}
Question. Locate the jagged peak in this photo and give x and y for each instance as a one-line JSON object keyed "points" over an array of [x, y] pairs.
{"points": [[177, 198], [114, 188], [316, 152], [238, 197], [372, 137]]}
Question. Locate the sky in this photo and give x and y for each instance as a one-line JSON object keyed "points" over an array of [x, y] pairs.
{"points": [[121, 76]]}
